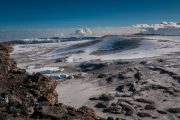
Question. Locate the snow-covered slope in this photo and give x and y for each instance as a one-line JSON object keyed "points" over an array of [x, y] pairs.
{"points": [[164, 28], [105, 48], [148, 46]]}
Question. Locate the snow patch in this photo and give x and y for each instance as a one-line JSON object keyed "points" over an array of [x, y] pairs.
{"points": [[47, 70]]}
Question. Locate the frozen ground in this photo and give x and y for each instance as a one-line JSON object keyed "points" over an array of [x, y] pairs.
{"points": [[70, 55], [77, 92]]}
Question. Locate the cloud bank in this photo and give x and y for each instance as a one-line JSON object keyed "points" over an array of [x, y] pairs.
{"points": [[163, 28]]}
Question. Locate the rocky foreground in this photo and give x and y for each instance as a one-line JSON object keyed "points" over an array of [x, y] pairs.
{"points": [[24, 96]]}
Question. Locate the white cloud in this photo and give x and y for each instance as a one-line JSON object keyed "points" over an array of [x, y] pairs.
{"points": [[163, 28], [82, 32], [163, 24]]}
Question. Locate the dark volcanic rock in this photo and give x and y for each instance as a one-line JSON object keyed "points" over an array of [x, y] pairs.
{"points": [[174, 110], [129, 110], [106, 97], [150, 107], [114, 109], [160, 60], [103, 97], [121, 77], [138, 75], [162, 71], [143, 100], [100, 105], [62, 59], [110, 118], [17, 71], [143, 114], [119, 108], [120, 88], [87, 113], [109, 79], [131, 87], [176, 77], [85, 67], [101, 76], [161, 111]]}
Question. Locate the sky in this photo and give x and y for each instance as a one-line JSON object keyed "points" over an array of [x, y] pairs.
{"points": [[85, 13]]}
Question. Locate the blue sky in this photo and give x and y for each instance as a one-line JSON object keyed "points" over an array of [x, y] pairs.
{"points": [[85, 13]]}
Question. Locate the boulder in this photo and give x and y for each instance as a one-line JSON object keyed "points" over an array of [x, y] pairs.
{"points": [[101, 76], [138, 75], [129, 110], [88, 113], [120, 88], [106, 97], [86, 67], [150, 107], [113, 109], [162, 111], [143, 114], [143, 100], [110, 118], [100, 105], [174, 110]]}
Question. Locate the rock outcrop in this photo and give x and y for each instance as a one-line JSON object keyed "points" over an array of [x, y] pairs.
{"points": [[24, 96]]}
